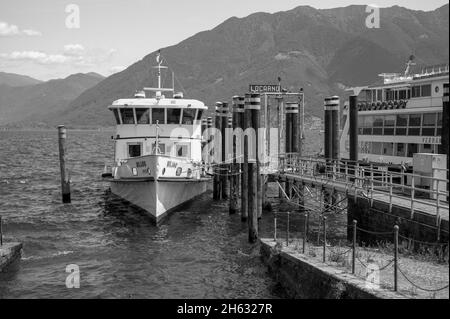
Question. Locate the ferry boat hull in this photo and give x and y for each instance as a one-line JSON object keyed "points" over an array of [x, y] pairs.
{"points": [[159, 198]]}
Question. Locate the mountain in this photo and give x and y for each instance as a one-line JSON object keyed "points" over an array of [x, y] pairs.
{"points": [[322, 51], [34, 103], [14, 80]]}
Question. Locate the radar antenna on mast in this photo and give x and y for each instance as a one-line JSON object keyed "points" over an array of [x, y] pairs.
{"points": [[409, 64]]}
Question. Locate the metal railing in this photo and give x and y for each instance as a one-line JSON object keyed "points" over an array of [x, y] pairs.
{"points": [[324, 246], [369, 182]]}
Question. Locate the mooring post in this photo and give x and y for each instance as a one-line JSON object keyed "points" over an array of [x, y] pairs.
{"points": [[305, 232], [354, 246], [1, 232], [445, 131], [208, 140], [275, 227], [217, 192], [252, 107], [396, 228], [244, 178], [324, 236], [287, 230], [235, 172], [328, 143], [65, 178], [225, 166]]}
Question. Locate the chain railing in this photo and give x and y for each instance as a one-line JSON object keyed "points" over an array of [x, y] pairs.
{"points": [[325, 246]]}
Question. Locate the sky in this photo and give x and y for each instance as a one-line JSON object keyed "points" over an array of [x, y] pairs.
{"points": [[49, 39]]}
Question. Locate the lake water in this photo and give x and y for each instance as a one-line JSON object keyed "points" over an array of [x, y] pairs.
{"points": [[199, 252]]}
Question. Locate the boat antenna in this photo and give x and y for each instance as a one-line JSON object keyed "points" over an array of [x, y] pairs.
{"points": [[157, 149], [159, 61], [409, 64]]}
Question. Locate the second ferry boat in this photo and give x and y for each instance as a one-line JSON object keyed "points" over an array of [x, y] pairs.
{"points": [[157, 149]]}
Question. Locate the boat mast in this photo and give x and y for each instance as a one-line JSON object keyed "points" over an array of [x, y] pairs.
{"points": [[159, 61]]}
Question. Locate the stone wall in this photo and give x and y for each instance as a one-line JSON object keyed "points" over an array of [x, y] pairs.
{"points": [[304, 278], [378, 218], [9, 252]]}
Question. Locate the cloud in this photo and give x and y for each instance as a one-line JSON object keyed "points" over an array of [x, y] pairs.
{"points": [[7, 29], [73, 49], [117, 68], [35, 56], [73, 54]]}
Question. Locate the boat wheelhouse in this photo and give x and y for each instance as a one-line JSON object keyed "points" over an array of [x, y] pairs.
{"points": [[157, 149], [400, 117]]}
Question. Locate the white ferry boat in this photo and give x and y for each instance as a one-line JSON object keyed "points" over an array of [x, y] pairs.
{"points": [[398, 118], [157, 154]]}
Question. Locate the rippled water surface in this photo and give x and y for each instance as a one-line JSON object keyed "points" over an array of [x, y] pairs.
{"points": [[199, 252]]}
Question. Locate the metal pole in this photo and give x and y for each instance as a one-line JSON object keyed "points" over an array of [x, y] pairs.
{"points": [[1, 232], [305, 230], [324, 236], [225, 166], [354, 246], [65, 179], [287, 230], [275, 227], [395, 256], [217, 192], [244, 166]]}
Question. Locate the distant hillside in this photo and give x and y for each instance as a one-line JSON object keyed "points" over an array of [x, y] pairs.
{"points": [[14, 80], [35, 103], [319, 50]]}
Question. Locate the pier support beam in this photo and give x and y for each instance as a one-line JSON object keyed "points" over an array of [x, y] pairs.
{"points": [[445, 128], [331, 142], [224, 166], [235, 177], [252, 113], [65, 176], [217, 191], [244, 165]]}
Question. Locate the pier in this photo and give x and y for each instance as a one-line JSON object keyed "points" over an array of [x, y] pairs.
{"points": [[385, 205], [9, 252]]}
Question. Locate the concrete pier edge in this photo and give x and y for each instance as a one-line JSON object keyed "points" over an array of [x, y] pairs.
{"points": [[9, 253], [302, 277]]}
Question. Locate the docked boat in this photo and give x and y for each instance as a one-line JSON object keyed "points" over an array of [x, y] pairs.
{"points": [[400, 117], [157, 149]]}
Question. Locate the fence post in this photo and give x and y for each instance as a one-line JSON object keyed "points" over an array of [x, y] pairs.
{"points": [[395, 256], [287, 232], [305, 229], [412, 196], [354, 246], [390, 193], [324, 236], [275, 227], [1, 232]]}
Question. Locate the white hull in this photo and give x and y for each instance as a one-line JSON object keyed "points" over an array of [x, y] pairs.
{"points": [[158, 198]]}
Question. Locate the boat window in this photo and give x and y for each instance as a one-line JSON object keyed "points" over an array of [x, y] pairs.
{"points": [[379, 95], [388, 148], [376, 148], [426, 90], [143, 116], [429, 119], [415, 91], [134, 149], [415, 119], [389, 120], [427, 148], [378, 121], [173, 116], [188, 116], [412, 149], [182, 150], [439, 119], [400, 149], [116, 115], [199, 115], [402, 120], [402, 95], [161, 150], [127, 116], [158, 115]]}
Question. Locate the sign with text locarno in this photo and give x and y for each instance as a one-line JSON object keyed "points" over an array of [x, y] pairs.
{"points": [[264, 88]]}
